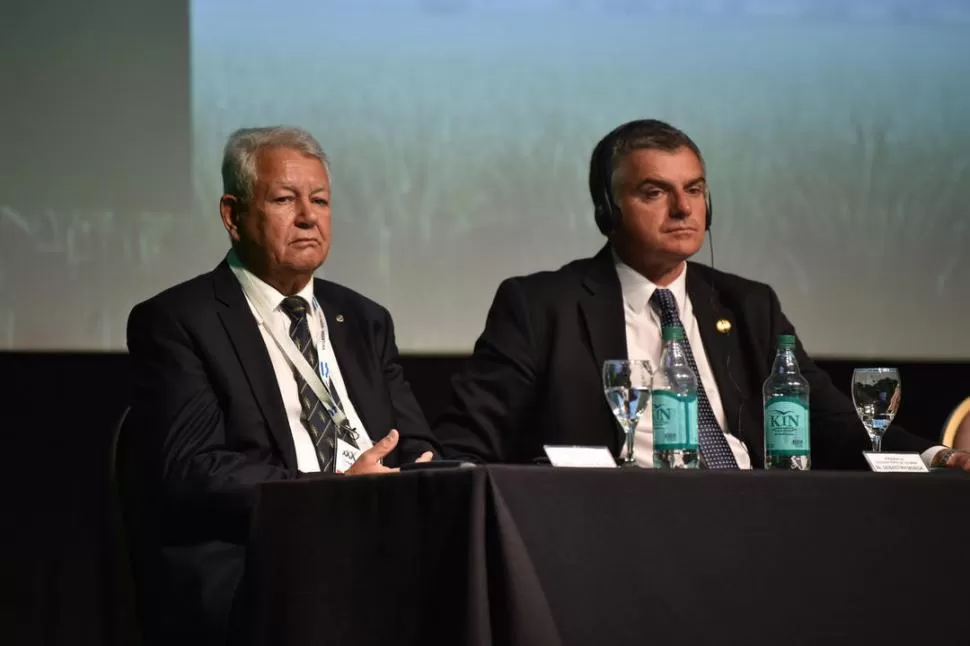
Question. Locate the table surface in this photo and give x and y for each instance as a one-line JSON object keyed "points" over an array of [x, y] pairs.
{"points": [[537, 555]]}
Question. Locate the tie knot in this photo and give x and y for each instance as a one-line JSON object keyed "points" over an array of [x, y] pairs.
{"points": [[295, 307], [664, 300], [665, 304]]}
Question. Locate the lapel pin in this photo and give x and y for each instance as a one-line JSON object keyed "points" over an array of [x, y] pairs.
{"points": [[724, 326], [339, 318]]}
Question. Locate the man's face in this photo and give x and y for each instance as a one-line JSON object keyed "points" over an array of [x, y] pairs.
{"points": [[284, 230], [661, 195]]}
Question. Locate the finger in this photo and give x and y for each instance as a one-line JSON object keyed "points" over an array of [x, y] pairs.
{"points": [[382, 448], [427, 456], [367, 468]]}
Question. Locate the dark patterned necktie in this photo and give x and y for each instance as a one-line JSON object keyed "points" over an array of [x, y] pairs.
{"points": [[315, 415], [714, 447]]}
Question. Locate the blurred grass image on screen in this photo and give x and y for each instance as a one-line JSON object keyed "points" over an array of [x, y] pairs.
{"points": [[69, 276], [836, 135]]}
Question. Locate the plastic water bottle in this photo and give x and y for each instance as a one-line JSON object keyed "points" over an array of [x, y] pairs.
{"points": [[674, 406], [787, 442]]}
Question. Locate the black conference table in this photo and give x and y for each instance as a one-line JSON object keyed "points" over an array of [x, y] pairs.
{"points": [[517, 555]]}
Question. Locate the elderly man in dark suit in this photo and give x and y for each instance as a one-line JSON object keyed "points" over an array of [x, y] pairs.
{"points": [[534, 378], [254, 372]]}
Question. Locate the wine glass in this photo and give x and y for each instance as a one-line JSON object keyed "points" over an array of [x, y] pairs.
{"points": [[627, 387], [876, 393]]}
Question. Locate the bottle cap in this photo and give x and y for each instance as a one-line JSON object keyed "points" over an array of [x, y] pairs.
{"points": [[786, 340], [673, 334]]}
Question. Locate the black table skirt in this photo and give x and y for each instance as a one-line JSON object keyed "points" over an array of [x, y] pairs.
{"points": [[536, 555]]}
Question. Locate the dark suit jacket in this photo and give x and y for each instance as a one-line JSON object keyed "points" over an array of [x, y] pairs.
{"points": [[535, 375], [207, 424]]}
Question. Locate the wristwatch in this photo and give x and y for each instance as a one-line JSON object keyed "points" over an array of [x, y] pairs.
{"points": [[942, 457]]}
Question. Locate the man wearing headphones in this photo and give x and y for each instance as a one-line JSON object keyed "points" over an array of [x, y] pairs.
{"points": [[535, 376]]}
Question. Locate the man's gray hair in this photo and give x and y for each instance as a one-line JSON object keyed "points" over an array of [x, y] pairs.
{"points": [[239, 157]]}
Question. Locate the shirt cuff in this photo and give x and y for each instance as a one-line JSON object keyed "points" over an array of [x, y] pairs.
{"points": [[929, 454]]}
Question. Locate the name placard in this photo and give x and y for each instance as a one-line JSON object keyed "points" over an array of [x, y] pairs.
{"points": [[895, 462], [580, 456]]}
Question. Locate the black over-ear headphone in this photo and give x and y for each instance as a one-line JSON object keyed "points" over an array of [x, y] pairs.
{"points": [[605, 210]]}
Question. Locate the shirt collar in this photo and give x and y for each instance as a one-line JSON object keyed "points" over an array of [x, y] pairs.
{"points": [[268, 293], [637, 289]]}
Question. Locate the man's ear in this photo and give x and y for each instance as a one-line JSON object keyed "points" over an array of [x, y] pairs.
{"points": [[230, 208]]}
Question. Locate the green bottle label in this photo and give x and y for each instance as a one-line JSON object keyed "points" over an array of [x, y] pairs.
{"points": [[786, 427], [674, 421]]}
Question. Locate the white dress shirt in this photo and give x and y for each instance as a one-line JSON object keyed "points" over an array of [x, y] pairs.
{"points": [[644, 341], [306, 456]]}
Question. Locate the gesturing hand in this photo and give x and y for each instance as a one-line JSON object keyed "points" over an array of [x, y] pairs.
{"points": [[370, 460]]}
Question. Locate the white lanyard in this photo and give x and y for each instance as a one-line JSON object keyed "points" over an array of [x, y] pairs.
{"points": [[293, 355], [323, 367]]}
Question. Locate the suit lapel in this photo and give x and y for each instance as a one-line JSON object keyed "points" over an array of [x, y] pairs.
{"points": [[602, 311], [340, 331], [719, 343], [243, 331]]}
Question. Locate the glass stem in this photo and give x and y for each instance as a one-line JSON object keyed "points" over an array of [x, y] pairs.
{"points": [[629, 445], [877, 443]]}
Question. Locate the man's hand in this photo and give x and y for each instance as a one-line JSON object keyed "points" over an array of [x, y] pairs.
{"points": [[370, 460], [952, 459]]}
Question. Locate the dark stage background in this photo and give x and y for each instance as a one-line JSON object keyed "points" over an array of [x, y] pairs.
{"points": [[64, 573]]}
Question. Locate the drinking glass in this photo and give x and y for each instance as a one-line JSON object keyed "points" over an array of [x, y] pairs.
{"points": [[627, 384], [876, 393]]}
